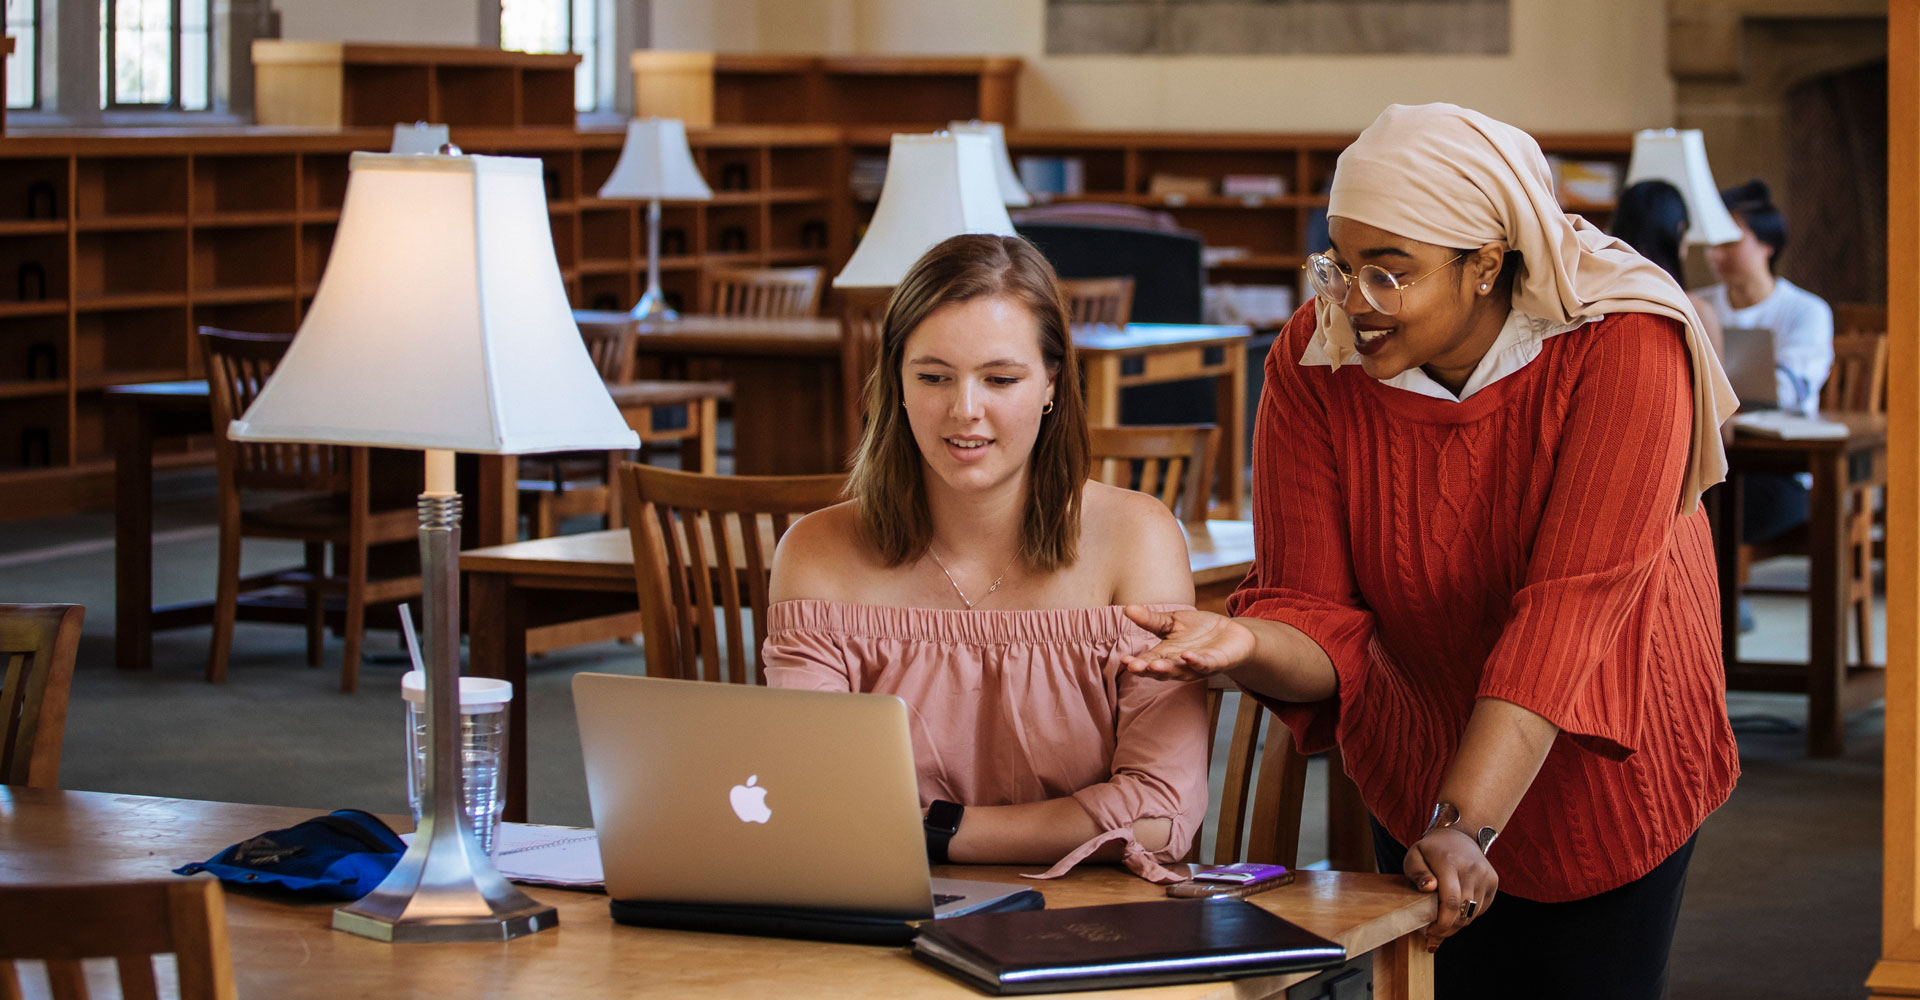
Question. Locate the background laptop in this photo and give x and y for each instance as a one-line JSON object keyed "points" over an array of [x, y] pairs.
{"points": [[757, 810], [1750, 362]]}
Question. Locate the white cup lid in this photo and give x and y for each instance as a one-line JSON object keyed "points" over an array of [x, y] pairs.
{"points": [[476, 693]]}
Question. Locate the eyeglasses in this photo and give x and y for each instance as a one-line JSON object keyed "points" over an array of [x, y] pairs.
{"points": [[1385, 293]]}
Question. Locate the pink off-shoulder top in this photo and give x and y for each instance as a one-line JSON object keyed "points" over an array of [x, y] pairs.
{"points": [[1010, 707]]}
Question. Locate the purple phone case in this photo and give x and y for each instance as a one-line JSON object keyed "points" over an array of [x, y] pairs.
{"points": [[1245, 873]]}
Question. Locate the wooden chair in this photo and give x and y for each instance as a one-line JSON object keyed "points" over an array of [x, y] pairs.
{"points": [[37, 647], [1859, 317], [335, 508], [1267, 782], [761, 292], [1171, 461], [572, 483], [863, 316], [1857, 384], [702, 559], [129, 922], [1107, 301]]}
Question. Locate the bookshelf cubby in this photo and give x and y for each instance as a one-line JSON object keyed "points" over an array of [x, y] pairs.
{"points": [[353, 84]]}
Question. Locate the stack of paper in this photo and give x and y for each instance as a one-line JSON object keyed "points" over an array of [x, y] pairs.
{"points": [[1788, 426], [566, 856]]}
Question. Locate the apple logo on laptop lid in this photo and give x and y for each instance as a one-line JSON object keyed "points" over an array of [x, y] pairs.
{"points": [[749, 801]]}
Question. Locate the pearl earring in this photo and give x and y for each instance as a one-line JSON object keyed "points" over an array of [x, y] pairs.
{"points": [[1483, 286]]}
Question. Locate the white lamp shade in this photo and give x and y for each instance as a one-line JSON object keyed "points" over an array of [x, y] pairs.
{"points": [[419, 137], [441, 322], [1679, 157], [656, 163], [1012, 192], [937, 186]]}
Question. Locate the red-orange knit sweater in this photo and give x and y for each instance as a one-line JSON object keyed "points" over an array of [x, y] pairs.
{"points": [[1520, 544]]}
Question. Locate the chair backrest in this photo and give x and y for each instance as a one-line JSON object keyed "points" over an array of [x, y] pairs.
{"points": [[1858, 382], [1099, 300], [1171, 461], [863, 313], [610, 345], [238, 365], [1856, 317], [1265, 778], [37, 647], [761, 292], [702, 558], [129, 922]]}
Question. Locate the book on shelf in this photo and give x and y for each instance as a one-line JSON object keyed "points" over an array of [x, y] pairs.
{"points": [[1051, 175], [1121, 945], [1253, 185]]}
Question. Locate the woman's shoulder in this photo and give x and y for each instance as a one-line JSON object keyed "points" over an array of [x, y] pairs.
{"points": [[1138, 543], [815, 553]]}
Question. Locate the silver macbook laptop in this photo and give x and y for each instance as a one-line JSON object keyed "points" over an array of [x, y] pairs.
{"points": [[1750, 362], [706, 793]]}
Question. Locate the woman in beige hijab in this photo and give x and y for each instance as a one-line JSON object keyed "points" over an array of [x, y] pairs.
{"points": [[1482, 566]]}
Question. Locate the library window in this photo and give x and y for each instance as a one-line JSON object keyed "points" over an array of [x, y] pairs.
{"points": [[155, 54], [23, 82], [561, 26]]}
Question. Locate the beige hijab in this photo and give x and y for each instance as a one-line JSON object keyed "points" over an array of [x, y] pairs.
{"points": [[1444, 175]]}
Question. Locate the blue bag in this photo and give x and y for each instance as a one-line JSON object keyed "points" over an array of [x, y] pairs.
{"points": [[342, 855]]}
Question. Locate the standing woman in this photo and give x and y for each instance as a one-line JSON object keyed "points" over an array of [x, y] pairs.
{"points": [[1482, 568]]}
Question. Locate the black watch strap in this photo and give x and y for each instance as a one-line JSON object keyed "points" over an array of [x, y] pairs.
{"points": [[942, 822]]}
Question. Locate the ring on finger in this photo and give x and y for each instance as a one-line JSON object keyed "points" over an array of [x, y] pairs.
{"points": [[1468, 908]]}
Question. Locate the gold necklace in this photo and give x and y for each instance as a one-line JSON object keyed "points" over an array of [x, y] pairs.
{"points": [[951, 582]]}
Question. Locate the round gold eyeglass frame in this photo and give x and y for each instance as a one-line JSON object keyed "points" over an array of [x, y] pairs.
{"points": [[1385, 293]]}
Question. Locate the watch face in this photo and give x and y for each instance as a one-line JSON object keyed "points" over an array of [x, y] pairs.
{"points": [[944, 816]]}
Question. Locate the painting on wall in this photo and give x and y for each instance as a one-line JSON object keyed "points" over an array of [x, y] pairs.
{"points": [[1263, 27]]}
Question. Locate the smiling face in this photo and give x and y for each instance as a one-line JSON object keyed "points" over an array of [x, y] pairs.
{"points": [[1437, 325], [974, 383]]}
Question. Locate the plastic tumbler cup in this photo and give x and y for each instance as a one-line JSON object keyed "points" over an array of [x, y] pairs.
{"points": [[483, 747]]}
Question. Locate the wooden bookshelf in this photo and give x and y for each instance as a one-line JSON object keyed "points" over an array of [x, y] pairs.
{"points": [[708, 88], [118, 246], [343, 84]]}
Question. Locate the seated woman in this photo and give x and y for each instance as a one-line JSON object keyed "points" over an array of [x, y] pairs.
{"points": [[978, 574]]}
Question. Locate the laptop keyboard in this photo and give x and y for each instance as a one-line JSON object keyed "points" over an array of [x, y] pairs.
{"points": [[943, 898]]}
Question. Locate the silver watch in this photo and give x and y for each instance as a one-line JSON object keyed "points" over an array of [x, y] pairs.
{"points": [[1446, 814]]}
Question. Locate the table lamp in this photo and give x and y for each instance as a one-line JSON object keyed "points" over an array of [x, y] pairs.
{"points": [[937, 186], [1679, 157], [1012, 192], [419, 137], [441, 323], [655, 164]]}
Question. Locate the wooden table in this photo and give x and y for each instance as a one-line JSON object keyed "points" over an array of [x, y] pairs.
{"points": [[141, 414], [286, 949], [551, 592], [1833, 686], [787, 416]]}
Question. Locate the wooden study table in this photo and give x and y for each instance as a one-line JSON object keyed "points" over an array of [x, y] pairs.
{"points": [[787, 415], [288, 949], [141, 414], [551, 592], [1833, 686]]}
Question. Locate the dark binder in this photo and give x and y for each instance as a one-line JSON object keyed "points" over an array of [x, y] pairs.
{"points": [[1120, 945]]}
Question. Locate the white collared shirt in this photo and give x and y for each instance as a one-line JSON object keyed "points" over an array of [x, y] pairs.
{"points": [[1520, 341]]}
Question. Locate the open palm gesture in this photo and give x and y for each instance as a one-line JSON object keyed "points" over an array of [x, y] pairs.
{"points": [[1193, 644]]}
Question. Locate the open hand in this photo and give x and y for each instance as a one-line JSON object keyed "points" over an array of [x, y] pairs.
{"points": [[1448, 862], [1193, 644]]}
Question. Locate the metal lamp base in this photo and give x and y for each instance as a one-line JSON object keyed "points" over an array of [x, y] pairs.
{"points": [[444, 888], [653, 306]]}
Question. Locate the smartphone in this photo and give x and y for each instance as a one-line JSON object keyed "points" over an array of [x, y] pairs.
{"points": [[1235, 880]]}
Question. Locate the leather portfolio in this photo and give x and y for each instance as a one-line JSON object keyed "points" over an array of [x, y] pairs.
{"points": [[1120, 945]]}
